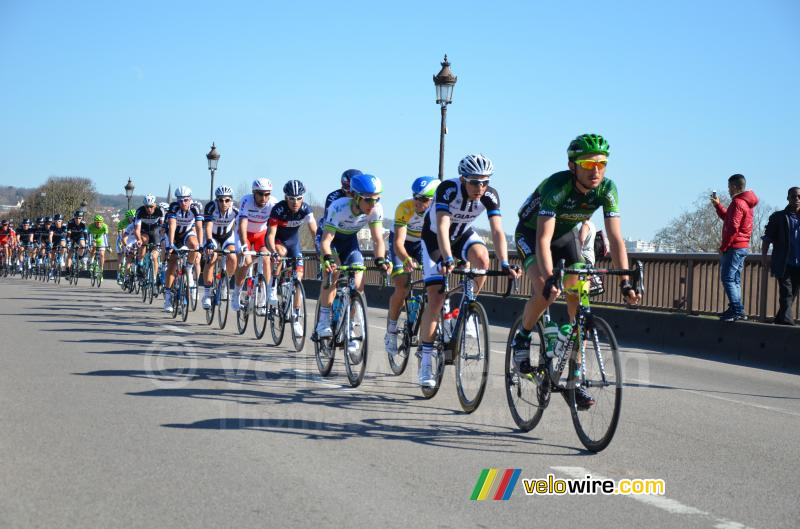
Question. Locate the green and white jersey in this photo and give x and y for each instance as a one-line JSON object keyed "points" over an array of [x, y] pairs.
{"points": [[341, 220], [558, 197]]}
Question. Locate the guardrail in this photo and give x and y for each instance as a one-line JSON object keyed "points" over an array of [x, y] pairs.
{"points": [[677, 283]]}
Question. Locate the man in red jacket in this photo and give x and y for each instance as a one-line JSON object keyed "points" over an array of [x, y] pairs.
{"points": [[736, 230]]}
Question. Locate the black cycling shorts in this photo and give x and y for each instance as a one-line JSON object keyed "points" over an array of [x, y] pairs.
{"points": [[566, 247]]}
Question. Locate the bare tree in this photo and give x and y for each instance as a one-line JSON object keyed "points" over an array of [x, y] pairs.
{"points": [[699, 229], [60, 195]]}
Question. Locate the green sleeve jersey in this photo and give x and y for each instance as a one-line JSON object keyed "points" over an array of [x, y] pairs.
{"points": [[96, 232], [558, 197]]}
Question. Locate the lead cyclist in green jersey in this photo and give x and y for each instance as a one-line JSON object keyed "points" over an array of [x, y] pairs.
{"points": [[544, 235], [98, 234]]}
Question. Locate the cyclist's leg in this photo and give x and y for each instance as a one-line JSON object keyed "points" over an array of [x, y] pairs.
{"points": [[400, 279], [473, 249]]}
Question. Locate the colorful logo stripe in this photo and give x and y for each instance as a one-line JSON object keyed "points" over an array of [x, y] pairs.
{"points": [[496, 484]]}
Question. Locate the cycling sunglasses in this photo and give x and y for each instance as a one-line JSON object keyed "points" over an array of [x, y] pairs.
{"points": [[483, 182], [294, 199], [371, 200], [591, 164]]}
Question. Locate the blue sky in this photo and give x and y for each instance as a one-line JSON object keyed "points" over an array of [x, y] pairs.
{"points": [[687, 93]]}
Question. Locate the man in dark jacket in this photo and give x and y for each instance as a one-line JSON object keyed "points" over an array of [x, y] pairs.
{"points": [[736, 230], [783, 232]]}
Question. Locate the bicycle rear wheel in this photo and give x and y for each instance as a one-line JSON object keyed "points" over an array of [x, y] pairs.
{"points": [[300, 316], [471, 356], [221, 299], [525, 402], [600, 374], [259, 301], [355, 362], [277, 317], [324, 348]]}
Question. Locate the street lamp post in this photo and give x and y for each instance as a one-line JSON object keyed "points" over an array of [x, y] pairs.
{"points": [[213, 160], [129, 191], [444, 81]]}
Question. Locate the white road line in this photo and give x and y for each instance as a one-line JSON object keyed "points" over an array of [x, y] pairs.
{"points": [[726, 399], [173, 328], [117, 308], [661, 502]]}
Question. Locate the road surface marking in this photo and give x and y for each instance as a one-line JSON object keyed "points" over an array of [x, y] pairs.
{"points": [[660, 502], [173, 328]]}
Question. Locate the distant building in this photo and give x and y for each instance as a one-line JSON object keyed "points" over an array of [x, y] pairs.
{"points": [[640, 246], [5, 208]]}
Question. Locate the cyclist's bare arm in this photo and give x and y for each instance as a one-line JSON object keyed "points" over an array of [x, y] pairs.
{"points": [[545, 226], [619, 255]]}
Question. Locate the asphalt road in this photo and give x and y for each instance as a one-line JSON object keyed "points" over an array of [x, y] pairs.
{"points": [[115, 415]]}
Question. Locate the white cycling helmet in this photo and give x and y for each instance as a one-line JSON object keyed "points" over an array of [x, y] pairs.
{"points": [[183, 191], [149, 200], [475, 165], [163, 205], [223, 191], [262, 184]]}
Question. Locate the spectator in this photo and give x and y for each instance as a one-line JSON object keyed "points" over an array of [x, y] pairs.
{"points": [[783, 232], [736, 230]]}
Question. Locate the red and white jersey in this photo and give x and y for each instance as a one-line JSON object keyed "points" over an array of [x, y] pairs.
{"points": [[257, 217]]}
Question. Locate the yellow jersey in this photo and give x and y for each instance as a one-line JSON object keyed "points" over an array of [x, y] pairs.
{"points": [[406, 215]]}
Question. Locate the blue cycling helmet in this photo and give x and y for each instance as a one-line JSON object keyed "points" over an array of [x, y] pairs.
{"points": [[348, 175], [365, 184], [425, 186]]}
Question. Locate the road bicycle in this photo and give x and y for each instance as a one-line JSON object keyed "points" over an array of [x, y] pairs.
{"points": [[290, 292], [253, 299], [408, 324], [147, 278], [220, 288], [95, 270], [465, 343], [349, 326], [591, 355], [180, 287]]}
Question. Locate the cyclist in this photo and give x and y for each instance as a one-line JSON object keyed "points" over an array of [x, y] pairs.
{"points": [[77, 236], [405, 249], [126, 238], [220, 224], [184, 228], [254, 212], [8, 238], [447, 231], [342, 192], [345, 217], [43, 236], [149, 217], [57, 239], [545, 233], [282, 238], [25, 238], [98, 233]]}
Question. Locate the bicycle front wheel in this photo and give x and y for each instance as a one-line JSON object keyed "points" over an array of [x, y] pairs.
{"points": [[210, 311], [405, 336], [259, 301], [598, 371], [185, 299], [324, 348], [525, 400], [243, 314], [471, 355], [221, 299], [277, 317], [298, 316], [356, 345]]}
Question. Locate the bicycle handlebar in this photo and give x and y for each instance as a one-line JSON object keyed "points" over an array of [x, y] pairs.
{"points": [[472, 273], [636, 273]]}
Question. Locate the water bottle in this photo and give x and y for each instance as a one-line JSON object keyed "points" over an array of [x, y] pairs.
{"points": [[413, 309], [336, 308], [550, 337], [561, 345]]}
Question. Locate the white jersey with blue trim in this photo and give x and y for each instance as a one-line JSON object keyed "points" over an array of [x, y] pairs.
{"points": [[342, 220], [451, 197], [222, 223], [184, 220]]}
